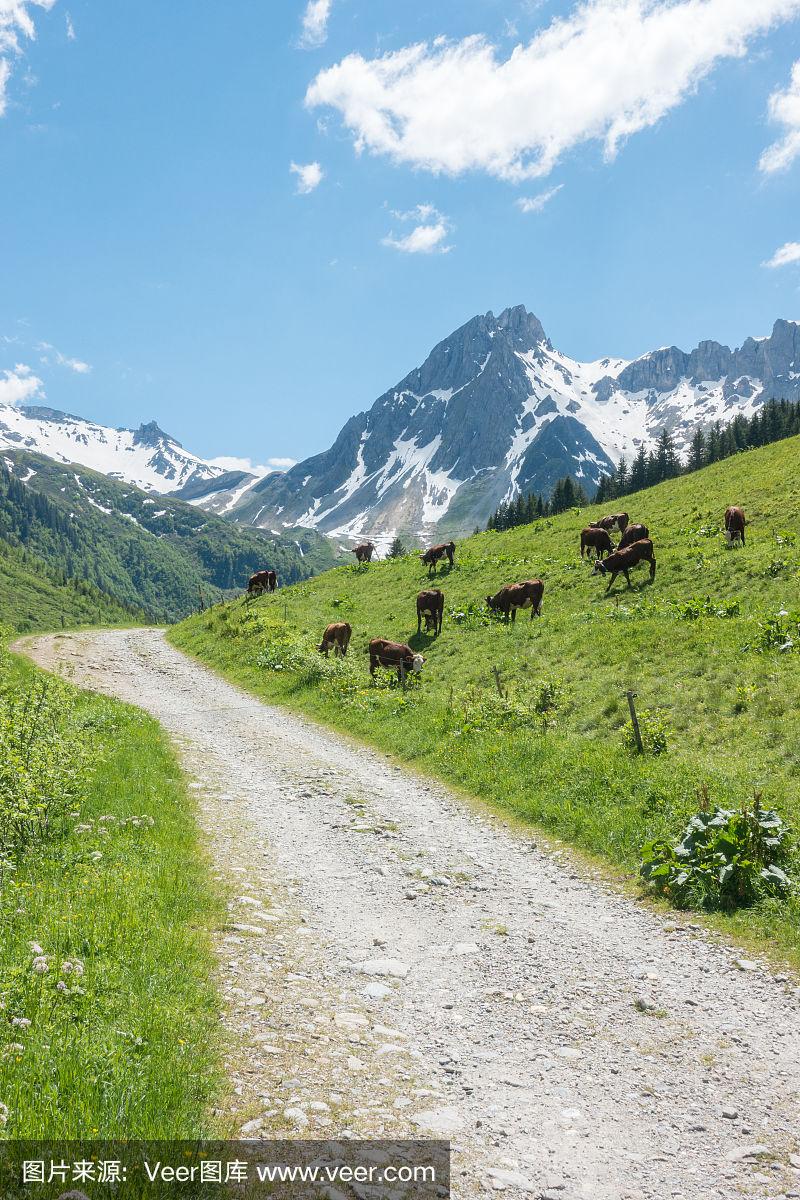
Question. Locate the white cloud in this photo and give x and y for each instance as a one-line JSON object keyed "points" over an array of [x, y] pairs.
{"points": [[784, 109], [535, 204], [429, 234], [61, 360], [19, 385], [309, 176], [16, 22], [315, 23], [785, 256], [232, 463], [608, 70], [71, 35]]}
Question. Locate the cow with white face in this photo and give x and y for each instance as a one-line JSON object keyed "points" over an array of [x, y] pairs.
{"points": [[394, 655]]}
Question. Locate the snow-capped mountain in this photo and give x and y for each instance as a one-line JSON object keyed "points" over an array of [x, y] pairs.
{"points": [[146, 457], [495, 410]]}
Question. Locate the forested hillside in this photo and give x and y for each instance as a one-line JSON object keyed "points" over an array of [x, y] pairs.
{"points": [[150, 553], [34, 595]]}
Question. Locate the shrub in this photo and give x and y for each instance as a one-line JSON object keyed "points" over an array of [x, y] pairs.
{"points": [[470, 616], [655, 728], [781, 632], [45, 761], [727, 858]]}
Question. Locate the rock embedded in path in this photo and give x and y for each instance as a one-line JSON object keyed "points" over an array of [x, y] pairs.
{"points": [[500, 1178], [442, 1121], [384, 966], [377, 991], [466, 948]]}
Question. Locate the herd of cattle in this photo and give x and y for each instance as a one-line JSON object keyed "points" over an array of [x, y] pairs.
{"points": [[634, 547]]}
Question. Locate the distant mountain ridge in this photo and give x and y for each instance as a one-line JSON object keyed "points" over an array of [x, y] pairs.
{"points": [[494, 410], [147, 457]]}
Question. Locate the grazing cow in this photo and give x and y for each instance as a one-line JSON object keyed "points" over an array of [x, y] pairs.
{"points": [[364, 552], [262, 581], [622, 561], [395, 655], [518, 595], [620, 520], [432, 556], [633, 533], [430, 605], [734, 524], [337, 638], [597, 539]]}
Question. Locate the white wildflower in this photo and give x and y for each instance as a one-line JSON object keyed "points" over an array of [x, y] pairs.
{"points": [[83, 829], [61, 986], [39, 965], [3, 1113], [96, 855], [105, 817], [35, 948], [20, 1022], [13, 1048], [66, 968]]}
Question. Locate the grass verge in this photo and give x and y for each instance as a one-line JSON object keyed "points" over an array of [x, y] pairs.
{"points": [[109, 1022]]}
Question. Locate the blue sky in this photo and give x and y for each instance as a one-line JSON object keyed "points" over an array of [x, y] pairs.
{"points": [[161, 259]]}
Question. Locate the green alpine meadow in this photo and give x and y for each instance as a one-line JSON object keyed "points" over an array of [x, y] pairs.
{"points": [[532, 718]]}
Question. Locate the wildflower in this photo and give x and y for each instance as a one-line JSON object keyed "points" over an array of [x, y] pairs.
{"points": [[35, 948], [96, 855], [83, 829], [13, 1048], [66, 968], [61, 986], [20, 1022], [77, 967], [3, 1113], [39, 965], [106, 817]]}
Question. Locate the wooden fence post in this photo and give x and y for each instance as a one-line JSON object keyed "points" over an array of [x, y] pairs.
{"points": [[637, 733]]}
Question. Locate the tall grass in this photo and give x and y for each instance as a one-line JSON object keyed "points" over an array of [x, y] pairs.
{"points": [[109, 1016], [722, 699]]}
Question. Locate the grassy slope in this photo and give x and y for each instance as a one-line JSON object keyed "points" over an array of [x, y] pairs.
{"points": [[137, 1054], [577, 781], [151, 552], [33, 597]]}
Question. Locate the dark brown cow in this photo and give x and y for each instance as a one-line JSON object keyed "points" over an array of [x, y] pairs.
{"points": [[432, 556], [597, 539], [337, 638], [623, 561], [262, 581], [430, 605], [518, 595], [633, 533], [620, 520], [364, 552], [395, 655], [734, 524]]}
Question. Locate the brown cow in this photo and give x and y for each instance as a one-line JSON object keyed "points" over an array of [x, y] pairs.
{"points": [[337, 638], [622, 561], [518, 595], [633, 533], [620, 520], [364, 552], [395, 655], [432, 556], [430, 605], [734, 524], [597, 539], [262, 581]]}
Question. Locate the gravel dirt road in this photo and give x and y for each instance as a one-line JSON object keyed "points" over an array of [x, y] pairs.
{"points": [[396, 963]]}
